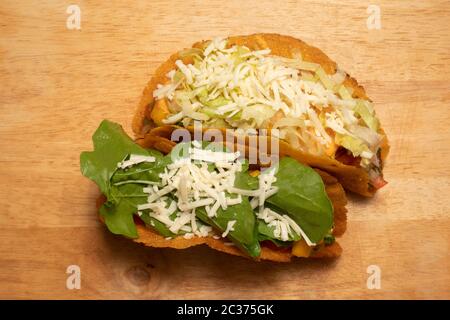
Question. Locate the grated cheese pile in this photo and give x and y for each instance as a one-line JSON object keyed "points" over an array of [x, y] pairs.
{"points": [[135, 159], [189, 183], [234, 87]]}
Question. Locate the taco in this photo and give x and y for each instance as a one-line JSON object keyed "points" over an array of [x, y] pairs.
{"points": [[321, 116], [169, 195]]}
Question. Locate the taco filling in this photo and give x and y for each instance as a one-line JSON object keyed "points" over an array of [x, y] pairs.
{"points": [[203, 190], [233, 87]]}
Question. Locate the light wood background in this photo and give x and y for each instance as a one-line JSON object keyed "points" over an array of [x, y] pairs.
{"points": [[58, 84]]}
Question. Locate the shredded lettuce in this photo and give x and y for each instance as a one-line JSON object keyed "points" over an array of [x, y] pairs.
{"points": [[237, 55], [258, 113], [355, 145], [217, 102], [325, 79], [344, 93], [362, 109]]}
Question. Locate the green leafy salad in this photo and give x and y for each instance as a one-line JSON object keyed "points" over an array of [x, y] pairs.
{"points": [[204, 190]]}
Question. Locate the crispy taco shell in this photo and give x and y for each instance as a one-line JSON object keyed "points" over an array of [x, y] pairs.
{"points": [[269, 252], [150, 114]]}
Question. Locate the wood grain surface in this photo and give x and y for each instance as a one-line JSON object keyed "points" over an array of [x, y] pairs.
{"points": [[58, 84]]}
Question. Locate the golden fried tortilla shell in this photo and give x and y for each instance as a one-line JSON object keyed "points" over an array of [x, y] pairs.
{"points": [[334, 191], [150, 114]]}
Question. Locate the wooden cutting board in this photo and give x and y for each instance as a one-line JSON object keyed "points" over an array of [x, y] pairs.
{"points": [[58, 84]]}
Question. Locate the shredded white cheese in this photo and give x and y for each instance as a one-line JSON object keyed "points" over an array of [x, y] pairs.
{"points": [[188, 184], [230, 227], [135, 159], [256, 89]]}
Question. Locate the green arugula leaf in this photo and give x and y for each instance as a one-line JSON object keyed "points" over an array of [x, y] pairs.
{"points": [[301, 194], [245, 233], [111, 145], [243, 180], [262, 236], [119, 209], [266, 232], [157, 225]]}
